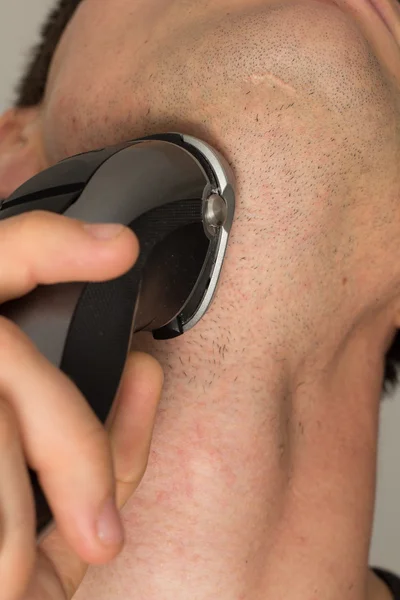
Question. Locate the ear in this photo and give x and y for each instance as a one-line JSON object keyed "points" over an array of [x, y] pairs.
{"points": [[21, 148]]}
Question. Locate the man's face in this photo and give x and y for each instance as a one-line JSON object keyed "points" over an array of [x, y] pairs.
{"points": [[319, 79], [97, 82]]}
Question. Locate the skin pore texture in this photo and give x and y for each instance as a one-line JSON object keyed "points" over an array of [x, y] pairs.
{"points": [[261, 478]]}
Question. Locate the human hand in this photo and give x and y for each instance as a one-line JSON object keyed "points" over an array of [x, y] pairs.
{"points": [[45, 421]]}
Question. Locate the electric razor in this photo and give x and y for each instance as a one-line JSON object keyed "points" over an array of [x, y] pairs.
{"points": [[178, 196]]}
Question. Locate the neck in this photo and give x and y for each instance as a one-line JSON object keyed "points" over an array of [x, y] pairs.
{"points": [[258, 474]]}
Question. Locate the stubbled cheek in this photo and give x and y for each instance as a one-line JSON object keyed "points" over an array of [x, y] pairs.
{"points": [[75, 116], [60, 127], [89, 112]]}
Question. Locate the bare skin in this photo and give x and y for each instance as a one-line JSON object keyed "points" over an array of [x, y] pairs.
{"points": [[261, 477]]}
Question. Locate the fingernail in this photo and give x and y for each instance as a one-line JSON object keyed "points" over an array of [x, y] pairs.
{"points": [[109, 525], [104, 231]]}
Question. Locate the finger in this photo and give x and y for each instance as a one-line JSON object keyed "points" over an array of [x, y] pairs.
{"points": [[17, 516], [45, 248], [64, 442], [131, 428]]}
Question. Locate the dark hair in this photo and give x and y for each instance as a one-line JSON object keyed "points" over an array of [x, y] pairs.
{"points": [[30, 90], [392, 363], [30, 93]]}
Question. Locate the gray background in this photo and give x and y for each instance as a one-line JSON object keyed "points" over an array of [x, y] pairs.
{"points": [[19, 21]]}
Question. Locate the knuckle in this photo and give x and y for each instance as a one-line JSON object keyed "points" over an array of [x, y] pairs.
{"points": [[140, 471], [133, 475], [11, 339], [34, 219], [34, 226], [10, 336], [37, 229]]}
